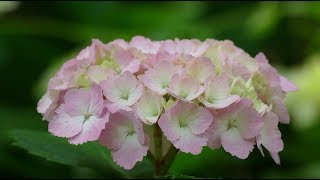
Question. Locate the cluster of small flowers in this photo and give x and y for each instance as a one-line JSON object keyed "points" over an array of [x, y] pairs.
{"points": [[208, 93]]}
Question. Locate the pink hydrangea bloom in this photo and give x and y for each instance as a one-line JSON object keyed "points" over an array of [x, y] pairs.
{"points": [[97, 74], [234, 128], [199, 93], [149, 107], [81, 117], [185, 87], [200, 68], [125, 137], [184, 125], [217, 93], [158, 78], [122, 91]]}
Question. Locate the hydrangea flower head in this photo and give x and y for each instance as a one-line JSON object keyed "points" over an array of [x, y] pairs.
{"points": [[192, 94]]}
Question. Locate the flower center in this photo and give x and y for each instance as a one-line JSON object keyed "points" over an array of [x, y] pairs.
{"points": [[164, 84], [231, 123], [125, 95], [183, 94], [182, 123], [131, 131], [154, 113], [210, 99], [87, 116]]}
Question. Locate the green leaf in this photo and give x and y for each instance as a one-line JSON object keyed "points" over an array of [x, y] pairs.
{"points": [[91, 154]]}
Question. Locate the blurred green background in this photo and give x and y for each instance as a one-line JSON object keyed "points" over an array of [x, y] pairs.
{"points": [[36, 38]]}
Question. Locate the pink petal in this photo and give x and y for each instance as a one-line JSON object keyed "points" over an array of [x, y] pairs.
{"points": [[145, 45], [63, 125], [235, 69], [286, 85], [149, 107], [269, 72], [99, 49], [190, 136], [233, 143], [169, 127], [127, 149], [68, 75], [249, 121], [217, 93], [200, 68], [82, 101], [110, 90], [115, 132], [185, 87], [275, 157], [160, 56], [77, 102], [97, 74], [115, 107], [262, 58], [158, 79], [280, 109], [189, 142], [243, 118], [91, 130], [126, 60], [136, 94], [133, 66], [247, 61], [200, 119], [220, 103], [189, 47], [270, 136], [126, 81], [130, 152], [86, 54], [216, 129], [217, 87], [96, 101], [48, 104], [227, 49], [260, 149], [214, 135], [116, 44], [124, 89]]}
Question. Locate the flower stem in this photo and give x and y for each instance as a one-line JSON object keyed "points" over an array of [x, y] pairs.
{"points": [[162, 164], [168, 160], [157, 147]]}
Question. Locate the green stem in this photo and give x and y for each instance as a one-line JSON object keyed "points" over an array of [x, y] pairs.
{"points": [[157, 147], [168, 160], [162, 164]]}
